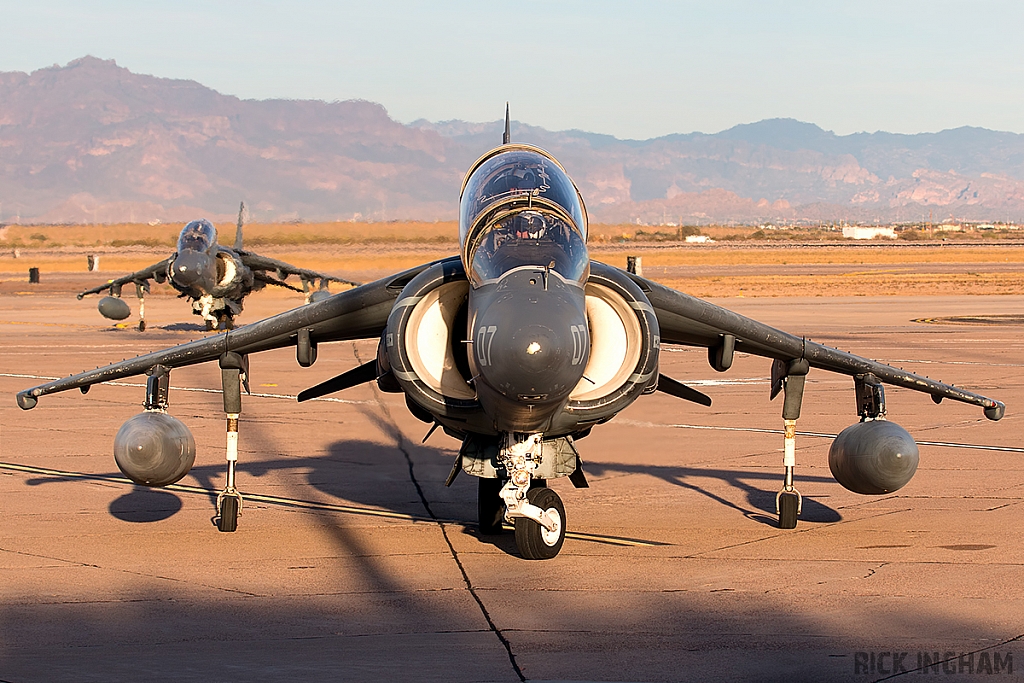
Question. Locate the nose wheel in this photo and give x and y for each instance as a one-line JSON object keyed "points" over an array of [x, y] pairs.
{"points": [[537, 541]]}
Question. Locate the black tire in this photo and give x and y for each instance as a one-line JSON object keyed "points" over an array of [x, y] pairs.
{"points": [[227, 520], [489, 506], [787, 510], [535, 542], [142, 326], [210, 325]]}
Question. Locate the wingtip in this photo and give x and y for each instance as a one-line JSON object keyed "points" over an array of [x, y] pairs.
{"points": [[26, 401], [996, 411]]}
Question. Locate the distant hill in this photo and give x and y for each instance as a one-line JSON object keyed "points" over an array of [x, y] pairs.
{"points": [[92, 141]]}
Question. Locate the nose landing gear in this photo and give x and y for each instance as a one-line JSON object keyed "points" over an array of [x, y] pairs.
{"points": [[537, 514]]}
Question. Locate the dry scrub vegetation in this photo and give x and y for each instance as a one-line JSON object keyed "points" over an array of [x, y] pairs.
{"points": [[256, 234], [366, 251], [853, 284]]}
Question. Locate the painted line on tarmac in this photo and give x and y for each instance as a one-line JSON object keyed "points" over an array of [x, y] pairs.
{"points": [[200, 390], [822, 435], [312, 505], [44, 324]]}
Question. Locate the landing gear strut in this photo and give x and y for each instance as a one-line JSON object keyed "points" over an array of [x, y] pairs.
{"points": [[537, 513], [789, 376], [229, 500], [140, 291]]}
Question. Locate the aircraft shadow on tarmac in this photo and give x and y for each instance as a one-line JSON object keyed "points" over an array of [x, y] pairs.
{"points": [[379, 476], [761, 500], [312, 638], [143, 505]]}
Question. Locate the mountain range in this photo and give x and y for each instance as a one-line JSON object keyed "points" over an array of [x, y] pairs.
{"points": [[94, 142]]}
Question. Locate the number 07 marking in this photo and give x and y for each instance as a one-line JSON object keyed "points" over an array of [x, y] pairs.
{"points": [[484, 338]]}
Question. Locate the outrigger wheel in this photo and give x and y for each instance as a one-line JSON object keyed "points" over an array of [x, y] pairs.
{"points": [[227, 513], [789, 503], [489, 506], [533, 540]]}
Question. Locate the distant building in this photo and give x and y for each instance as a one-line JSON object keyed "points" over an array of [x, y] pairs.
{"points": [[858, 232]]}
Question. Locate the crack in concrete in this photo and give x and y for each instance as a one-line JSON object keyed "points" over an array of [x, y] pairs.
{"points": [[400, 443], [804, 530], [871, 572], [76, 563]]}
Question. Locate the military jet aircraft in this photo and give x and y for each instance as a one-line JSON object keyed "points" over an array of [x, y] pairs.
{"points": [[214, 278], [518, 347]]}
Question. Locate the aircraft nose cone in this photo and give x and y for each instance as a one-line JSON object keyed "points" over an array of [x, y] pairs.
{"points": [[534, 349], [532, 344], [189, 268]]}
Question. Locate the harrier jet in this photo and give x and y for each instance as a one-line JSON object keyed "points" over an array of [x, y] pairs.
{"points": [[518, 347], [214, 278]]}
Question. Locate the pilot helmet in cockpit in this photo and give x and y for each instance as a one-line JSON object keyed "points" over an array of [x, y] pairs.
{"points": [[197, 236], [519, 208]]}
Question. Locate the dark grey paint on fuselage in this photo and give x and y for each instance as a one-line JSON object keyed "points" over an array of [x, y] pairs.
{"points": [[529, 347]]}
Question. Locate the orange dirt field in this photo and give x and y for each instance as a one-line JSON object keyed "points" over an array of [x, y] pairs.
{"points": [[364, 252]]}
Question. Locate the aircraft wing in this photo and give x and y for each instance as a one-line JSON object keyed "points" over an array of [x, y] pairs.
{"points": [[157, 271], [359, 313], [283, 270], [685, 319]]}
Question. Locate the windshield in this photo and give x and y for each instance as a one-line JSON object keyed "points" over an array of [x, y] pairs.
{"points": [[529, 238], [197, 236], [519, 208]]}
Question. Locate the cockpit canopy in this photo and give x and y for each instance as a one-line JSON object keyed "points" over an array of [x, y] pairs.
{"points": [[519, 208], [197, 236]]}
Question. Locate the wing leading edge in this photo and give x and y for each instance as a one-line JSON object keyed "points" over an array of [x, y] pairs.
{"points": [[157, 271], [685, 319], [362, 313], [359, 313], [282, 269]]}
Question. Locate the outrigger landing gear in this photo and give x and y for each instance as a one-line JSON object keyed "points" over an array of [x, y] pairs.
{"points": [[789, 376], [229, 500], [140, 291], [537, 513]]}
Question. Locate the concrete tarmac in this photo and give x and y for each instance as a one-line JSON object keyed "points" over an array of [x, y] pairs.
{"points": [[352, 561]]}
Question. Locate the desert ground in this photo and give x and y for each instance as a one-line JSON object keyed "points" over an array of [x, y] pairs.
{"points": [[352, 561]]}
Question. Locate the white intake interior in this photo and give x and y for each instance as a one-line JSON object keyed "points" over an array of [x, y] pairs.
{"points": [[615, 344], [428, 340]]}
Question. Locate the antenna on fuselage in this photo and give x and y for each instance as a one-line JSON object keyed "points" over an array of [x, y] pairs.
{"points": [[238, 226], [507, 137]]}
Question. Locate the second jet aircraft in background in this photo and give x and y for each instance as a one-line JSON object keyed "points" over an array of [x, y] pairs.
{"points": [[214, 278]]}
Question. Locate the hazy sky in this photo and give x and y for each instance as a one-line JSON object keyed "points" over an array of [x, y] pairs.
{"points": [[634, 69]]}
